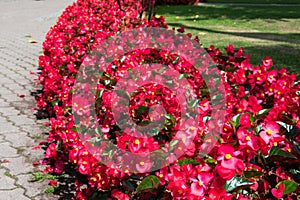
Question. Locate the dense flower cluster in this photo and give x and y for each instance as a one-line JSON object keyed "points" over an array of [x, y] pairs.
{"points": [[256, 157]]}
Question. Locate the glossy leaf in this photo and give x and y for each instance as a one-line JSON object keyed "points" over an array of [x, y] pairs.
{"points": [[148, 183], [237, 183]]}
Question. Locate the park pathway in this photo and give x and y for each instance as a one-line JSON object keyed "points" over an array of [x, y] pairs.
{"points": [[23, 25]]}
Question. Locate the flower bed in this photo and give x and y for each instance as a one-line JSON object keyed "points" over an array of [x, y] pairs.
{"points": [[256, 156]]}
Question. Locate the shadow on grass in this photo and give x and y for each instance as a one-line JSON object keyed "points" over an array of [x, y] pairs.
{"points": [[287, 37], [284, 56], [232, 13]]}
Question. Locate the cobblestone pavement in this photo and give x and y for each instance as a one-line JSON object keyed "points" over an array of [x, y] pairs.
{"points": [[21, 22]]}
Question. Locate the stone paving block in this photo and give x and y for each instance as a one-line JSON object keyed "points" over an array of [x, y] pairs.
{"points": [[6, 182], [21, 120], [3, 103], [32, 188], [16, 194], [18, 165], [19, 139], [8, 111], [10, 98], [4, 90], [6, 151], [7, 127]]}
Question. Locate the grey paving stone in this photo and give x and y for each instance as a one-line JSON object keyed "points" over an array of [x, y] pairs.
{"points": [[7, 127], [32, 188], [8, 111], [6, 151], [16, 194], [21, 120], [19, 139], [6, 182], [18, 166]]}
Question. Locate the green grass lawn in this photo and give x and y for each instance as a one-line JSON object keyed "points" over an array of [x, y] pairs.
{"points": [[257, 1], [262, 31]]}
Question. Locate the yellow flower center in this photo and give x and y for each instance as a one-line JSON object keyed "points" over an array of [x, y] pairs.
{"points": [[142, 163], [180, 191], [136, 141], [227, 156], [161, 175], [200, 183], [269, 132], [275, 144], [248, 138]]}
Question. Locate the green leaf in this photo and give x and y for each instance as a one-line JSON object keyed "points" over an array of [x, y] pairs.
{"points": [[275, 151], [149, 183], [187, 161], [236, 183], [296, 147], [294, 171], [292, 130], [290, 186], [258, 128], [174, 143], [210, 160], [99, 93], [142, 108], [236, 120], [181, 76], [263, 111], [250, 174], [194, 103], [50, 190], [170, 118], [176, 60]]}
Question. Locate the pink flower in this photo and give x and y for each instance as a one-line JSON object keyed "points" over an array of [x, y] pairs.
{"points": [[200, 184], [270, 130]]}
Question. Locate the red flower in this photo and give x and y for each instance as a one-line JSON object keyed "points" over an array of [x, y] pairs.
{"points": [[53, 183], [267, 62], [278, 193], [115, 193], [201, 184], [228, 157]]}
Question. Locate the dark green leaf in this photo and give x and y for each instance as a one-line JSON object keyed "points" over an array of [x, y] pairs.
{"points": [[187, 161], [176, 60], [236, 120], [99, 93], [296, 147], [148, 183], [170, 118], [236, 183], [128, 185], [292, 130], [258, 128], [142, 108], [290, 186], [275, 151], [194, 103], [250, 174], [294, 171], [263, 111]]}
